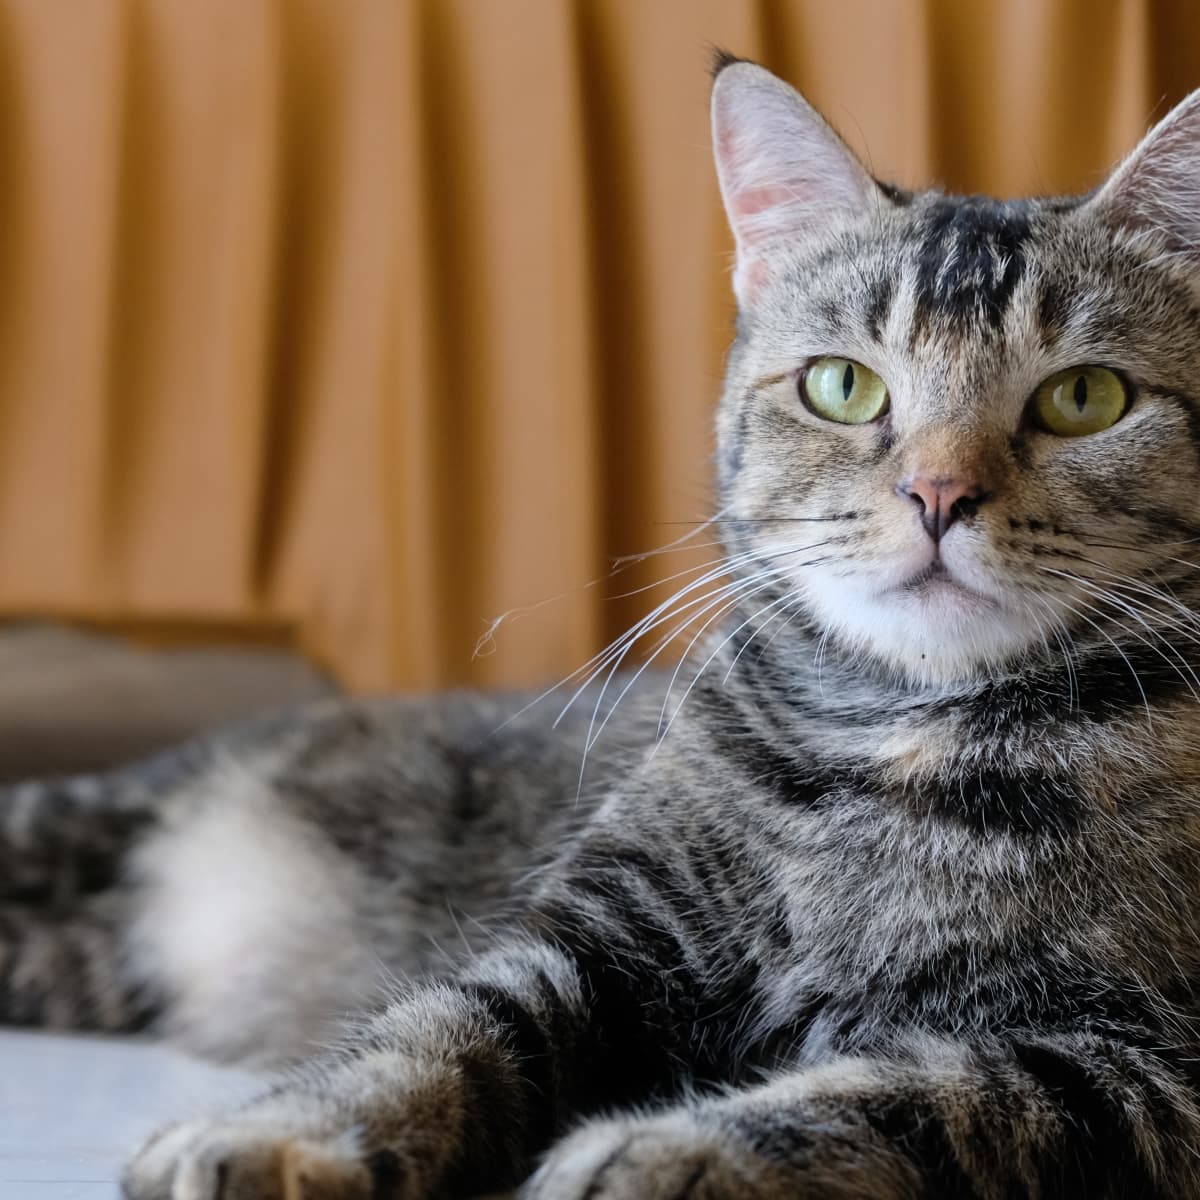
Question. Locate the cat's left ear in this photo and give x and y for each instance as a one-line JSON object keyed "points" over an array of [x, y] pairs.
{"points": [[783, 171], [1156, 190]]}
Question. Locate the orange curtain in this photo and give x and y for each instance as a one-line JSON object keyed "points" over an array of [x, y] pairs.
{"points": [[360, 322]]}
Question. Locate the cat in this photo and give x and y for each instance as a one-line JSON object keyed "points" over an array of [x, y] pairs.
{"points": [[896, 895]]}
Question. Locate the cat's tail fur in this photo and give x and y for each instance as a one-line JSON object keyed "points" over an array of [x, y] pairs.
{"points": [[245, 892]]}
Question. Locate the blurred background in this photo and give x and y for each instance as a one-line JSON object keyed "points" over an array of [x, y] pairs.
{"points": [[333, 329]]}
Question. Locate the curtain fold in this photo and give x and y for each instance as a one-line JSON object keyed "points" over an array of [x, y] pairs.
{"points": [[364, 322]]}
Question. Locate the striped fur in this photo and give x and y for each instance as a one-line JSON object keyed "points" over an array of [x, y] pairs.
{"points": [[890, 892]]}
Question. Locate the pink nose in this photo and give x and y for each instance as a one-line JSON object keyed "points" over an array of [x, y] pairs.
{"points": [[941, 500]]}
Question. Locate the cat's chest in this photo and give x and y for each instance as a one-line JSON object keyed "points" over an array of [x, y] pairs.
{"points": [[879, 936], [857, 900], [893, 919], [864, 889]]}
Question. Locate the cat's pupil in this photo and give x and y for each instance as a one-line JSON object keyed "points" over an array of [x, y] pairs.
{"points": [[848, 382], [1080, 393]]}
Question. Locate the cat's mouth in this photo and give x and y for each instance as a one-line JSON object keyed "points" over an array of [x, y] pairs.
{"points": [[936, 570], [939, 616], [936, 578]]}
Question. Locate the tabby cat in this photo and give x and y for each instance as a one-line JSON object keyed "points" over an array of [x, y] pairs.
{"points": [[895, 894]]}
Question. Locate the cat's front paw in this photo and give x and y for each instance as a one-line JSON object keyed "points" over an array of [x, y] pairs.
{"points": [[671, 1157], [247, 1158]]}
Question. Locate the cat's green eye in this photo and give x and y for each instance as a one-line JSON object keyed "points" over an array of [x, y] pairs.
{"points": [[1080, 401], [840, 389]]}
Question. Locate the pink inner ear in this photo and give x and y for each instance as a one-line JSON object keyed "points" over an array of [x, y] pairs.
{"points": [[782, 169], [746, 203], [750, 201], [769, 181]]}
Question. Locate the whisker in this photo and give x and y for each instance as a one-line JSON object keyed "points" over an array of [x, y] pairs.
{"points": [[1127, 606], [1056, 630], [662, 732], [671, 578], [720, 600], [773, 577], [704, 667], [849, 516], [666, 612], [618, 566], [678, 543], [1126, 582], [1130, 610], [1125, 658], [787, 600], [596, 664]]}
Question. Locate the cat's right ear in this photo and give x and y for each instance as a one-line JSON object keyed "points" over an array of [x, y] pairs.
{"points": [[1156, 190], [783, 171]]}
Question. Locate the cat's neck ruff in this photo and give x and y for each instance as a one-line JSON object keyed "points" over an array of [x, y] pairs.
{"points": [[1116, 711]]}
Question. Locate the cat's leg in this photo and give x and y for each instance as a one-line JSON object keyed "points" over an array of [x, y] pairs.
{"points": [[453, 1090], [67, 836], [1051, 1116], [456, 1090]]}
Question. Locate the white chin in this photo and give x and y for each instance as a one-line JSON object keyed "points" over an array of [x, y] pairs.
{"points": [[938, 631]]}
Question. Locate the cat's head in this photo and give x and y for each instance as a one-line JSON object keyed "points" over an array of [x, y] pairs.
{"points": [[957, 431]]}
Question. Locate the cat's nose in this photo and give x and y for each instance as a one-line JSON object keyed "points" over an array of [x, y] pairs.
{"points": [[941, 500]]}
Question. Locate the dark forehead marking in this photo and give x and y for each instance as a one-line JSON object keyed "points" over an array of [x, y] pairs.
{"points": [[833, 314], [879, 303], [970, 257], [1054, 309]]}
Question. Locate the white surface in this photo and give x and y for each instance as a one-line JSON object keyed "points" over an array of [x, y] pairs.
{"points": [[72, 1109]]}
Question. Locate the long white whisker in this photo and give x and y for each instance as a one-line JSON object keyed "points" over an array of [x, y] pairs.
{"points": [[705, 665], [721, 602], [684, 657], [1062, 636], [1127, 608], [678, 543], [597, 663], [718, 599], [698, 635], [668, 611], [787, 600], [1115, 646], [619, 565], [1128, 584]]}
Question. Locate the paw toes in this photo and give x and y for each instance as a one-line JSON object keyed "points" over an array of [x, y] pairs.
{"points": [[653, 1160], [317, 1172], [202, 1163], [151, 1174]]}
